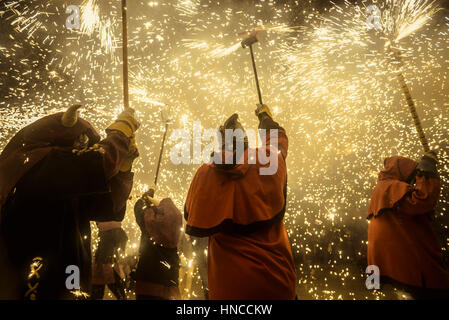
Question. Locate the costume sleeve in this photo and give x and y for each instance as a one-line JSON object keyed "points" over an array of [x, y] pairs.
{"points": [[63, 173], [112, 205], [268, 124], [422, 199], [121, 186], [119, 183], [116, 149]]}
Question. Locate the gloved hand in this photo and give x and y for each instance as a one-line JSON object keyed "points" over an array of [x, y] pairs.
{"points": [[431, 154], [262, 111], [428, 163], [155, 202], [150, 192], [133, 153], [125, 123], [148, 197]]}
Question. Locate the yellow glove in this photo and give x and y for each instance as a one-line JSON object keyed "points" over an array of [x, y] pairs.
{"points": [[133, 153], [125, 123], [261, 109]]}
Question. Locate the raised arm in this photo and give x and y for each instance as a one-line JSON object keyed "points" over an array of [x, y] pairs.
{"points": [[120, 147], [119, 150], [267, 123], [424, 196]]}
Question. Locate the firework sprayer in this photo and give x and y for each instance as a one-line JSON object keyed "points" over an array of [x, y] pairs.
{"points": [[411, 104], [248, 43]]}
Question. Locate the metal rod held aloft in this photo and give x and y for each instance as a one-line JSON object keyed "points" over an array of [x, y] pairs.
{"points": [[125, 55], [255, 74], [248, 42]]}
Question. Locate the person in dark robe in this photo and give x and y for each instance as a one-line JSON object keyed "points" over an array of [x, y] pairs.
{"points": [[401, 241], [157, 270], [108, 268], [240, 208], [55, 177]]}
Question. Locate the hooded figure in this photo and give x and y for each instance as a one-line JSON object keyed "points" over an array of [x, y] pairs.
{"points": [[241, 210], [401, 241], [108, 267], [55, 177], [157, 271]]}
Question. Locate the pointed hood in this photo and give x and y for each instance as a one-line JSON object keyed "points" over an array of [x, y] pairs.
{"points": [[397, 168], [392, 184]]}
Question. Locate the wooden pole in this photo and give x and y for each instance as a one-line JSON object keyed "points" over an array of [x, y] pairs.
{"points": [[125, 54], [160, 154], [411, 103]]}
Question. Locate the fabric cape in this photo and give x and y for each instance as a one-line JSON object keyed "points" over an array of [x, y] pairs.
{"points": [[31, 144], [49, 195], [249, 255], [401, 241], [161, 232], [237, 199], [164, 223]]}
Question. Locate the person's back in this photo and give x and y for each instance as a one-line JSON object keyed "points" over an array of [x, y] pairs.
{"points": [[401, 241], [157, 270], [258, 265], [45, 218], [241, 208]]}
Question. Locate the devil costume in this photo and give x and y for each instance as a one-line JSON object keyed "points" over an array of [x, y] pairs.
{"points": [[49, 193], [241, 211], [401, 241]]}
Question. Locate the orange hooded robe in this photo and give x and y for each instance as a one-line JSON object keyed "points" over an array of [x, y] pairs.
{"points": [[400, 237], [249, 254]]}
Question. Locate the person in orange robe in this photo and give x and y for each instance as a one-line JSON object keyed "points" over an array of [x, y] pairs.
{"points": [[241, 209], [401, 241]]}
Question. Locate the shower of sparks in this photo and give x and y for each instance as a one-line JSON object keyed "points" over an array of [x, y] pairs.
{"points": [[92, 21], [141, 96], [413, 15], [220, 50], [188, 8], [90, 16], [323, 73]]}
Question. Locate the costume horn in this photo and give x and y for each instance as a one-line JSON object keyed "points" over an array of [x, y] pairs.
{"points": [[70, 117]]}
